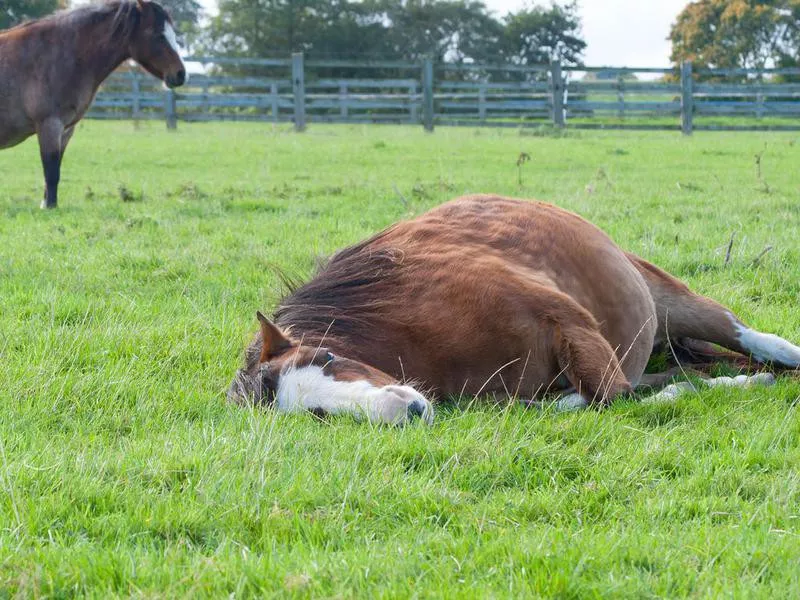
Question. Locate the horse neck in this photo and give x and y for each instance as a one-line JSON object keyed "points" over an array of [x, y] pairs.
{"points": [[104, 51]]}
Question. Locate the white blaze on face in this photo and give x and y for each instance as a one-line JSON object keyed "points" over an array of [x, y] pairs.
{"points": [[308, 388], [172, 40], [766, 346]]}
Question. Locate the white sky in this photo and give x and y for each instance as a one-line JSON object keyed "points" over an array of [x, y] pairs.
{"points": [[618, 33]]}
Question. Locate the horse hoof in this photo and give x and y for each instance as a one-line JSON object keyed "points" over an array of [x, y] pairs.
{"points": [[45, 205], [571, 402]]}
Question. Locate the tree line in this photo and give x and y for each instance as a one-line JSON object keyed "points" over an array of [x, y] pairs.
{"points": [[730, 34], [710, 33], [455, 31]]}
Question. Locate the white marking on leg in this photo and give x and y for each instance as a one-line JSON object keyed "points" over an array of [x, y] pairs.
{"points": [[308, 388], [766, 346], [765, 379], [571, 402], [671, 392]]}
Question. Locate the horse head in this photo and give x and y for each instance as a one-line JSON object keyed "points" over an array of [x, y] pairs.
{"points": [[295, 377], [154, 44]]}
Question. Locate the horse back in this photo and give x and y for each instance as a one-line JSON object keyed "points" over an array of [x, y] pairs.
{"points": [[547, 244]]}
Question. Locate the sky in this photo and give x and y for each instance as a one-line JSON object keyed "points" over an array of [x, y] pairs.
{"points": [[618, 33]]}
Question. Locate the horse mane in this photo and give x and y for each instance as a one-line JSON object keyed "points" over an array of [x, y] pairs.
{"points": [[89, 14], [347, 297]]}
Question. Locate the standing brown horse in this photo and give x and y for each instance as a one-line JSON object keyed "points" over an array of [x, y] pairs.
{"points": [[50, 70], [483, 295]]}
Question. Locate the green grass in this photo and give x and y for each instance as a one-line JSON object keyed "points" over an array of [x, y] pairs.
{"points": [[124, 472]]}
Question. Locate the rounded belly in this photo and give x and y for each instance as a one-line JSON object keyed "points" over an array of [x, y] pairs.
{"points": [[15, 136], [620, 301]]}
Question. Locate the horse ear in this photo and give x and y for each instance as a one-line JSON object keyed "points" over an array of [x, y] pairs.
{"points": [[273, 340]]}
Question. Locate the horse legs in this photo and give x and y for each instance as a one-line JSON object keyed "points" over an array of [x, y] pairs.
{"points": [[51, 146], [669, 392], [672, 391], [65, 138], [591, 365]]}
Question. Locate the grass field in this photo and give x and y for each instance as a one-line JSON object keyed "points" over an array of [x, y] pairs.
{"points": [[123, 316]]}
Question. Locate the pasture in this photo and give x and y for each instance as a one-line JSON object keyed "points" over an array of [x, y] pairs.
{"points": [[124, 315]]}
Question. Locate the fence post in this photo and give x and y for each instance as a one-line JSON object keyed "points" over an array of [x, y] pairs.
{"points": [[299, 88], [170, 109], [412, 103], [273, 94], [427, 94], [343, 100], [557, 91], [137, 101], [621, 96], [206, 100], [482, 103], [687, 98]]}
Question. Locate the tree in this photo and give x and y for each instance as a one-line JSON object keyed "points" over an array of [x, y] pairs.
{"points": [[539, 35], [395, 29], [737, 33], [14, 12], [342, 29], [453, 31], [263, 27], [445, 30]]}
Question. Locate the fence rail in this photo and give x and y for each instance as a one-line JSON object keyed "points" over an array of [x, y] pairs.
{"points": [[293, 90]]}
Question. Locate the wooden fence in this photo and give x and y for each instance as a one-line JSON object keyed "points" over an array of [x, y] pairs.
{"points": [[297, 91]]}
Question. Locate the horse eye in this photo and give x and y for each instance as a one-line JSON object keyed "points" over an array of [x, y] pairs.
{"points": [[268, 384], [328, 357]]}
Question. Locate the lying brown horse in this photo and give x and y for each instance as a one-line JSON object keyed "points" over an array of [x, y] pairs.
{"points": [[50, 70], [483, 295]]}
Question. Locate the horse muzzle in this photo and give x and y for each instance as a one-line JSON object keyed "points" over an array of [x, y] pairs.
{"points": [[176, 80], [243, 389]]}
